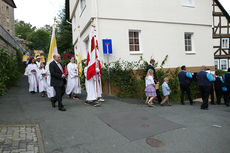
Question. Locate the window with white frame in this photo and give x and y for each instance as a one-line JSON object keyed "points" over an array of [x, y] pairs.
{"points": [[7, 19], [225, 43], [7, 11], [134, 41], [190, 3], [223, 64], [216, 63], [188, 37], [86, 44], [82, 5]]}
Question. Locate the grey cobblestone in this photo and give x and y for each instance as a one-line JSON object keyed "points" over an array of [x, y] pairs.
{"points": [[20, 139]]}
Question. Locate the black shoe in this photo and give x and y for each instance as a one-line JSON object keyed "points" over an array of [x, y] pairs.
{"points": [[213, 104], [62, 109], [182, 103], [227, 105], [191, 103], [53, 104]]}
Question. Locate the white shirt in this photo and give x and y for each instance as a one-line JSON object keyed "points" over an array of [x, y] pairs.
{"points": [[149, 81]]}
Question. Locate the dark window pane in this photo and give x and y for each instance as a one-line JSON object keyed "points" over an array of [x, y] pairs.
{"points": [[131, 34], [131, 47], [136, 41], [137, 48], [136, 34], [131, 41]]}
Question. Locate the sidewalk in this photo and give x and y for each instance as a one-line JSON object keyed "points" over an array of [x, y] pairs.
{"points": [[80, 130]]}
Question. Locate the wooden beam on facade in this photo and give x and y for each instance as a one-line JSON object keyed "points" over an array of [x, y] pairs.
{"points": [[217, 14]]}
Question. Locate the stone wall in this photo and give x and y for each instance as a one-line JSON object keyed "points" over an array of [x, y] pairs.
{"points": [[7, 17], [8, 42]]}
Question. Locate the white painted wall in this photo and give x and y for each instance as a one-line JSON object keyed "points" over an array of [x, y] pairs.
{"points": [[162, 24]]}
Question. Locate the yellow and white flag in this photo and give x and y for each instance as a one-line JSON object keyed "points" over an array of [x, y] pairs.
{"points": [[53, 46], [79, 64]]}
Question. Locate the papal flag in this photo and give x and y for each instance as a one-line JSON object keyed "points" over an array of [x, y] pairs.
{"points": [[79, 65], [53, 46]]}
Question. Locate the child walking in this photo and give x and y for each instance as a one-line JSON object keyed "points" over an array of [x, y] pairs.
{"points": [[150, 91], [42, 79], [166, 92]]}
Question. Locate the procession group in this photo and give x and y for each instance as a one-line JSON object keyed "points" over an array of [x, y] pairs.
{"points": [[50, 80], [207, 82]]}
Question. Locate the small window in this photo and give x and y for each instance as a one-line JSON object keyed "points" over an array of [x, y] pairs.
{"points": [[223, 64], [189, 3], [188, 42], [216, 63], [7, 11], [225, 43], [134, 42], [82, 5], [7, 19], [86, 45]]}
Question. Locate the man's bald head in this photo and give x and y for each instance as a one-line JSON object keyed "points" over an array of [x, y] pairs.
{"points": [[57, 57]]}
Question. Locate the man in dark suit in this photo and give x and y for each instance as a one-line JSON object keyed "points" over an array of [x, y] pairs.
{"points": [[184, 79], [204, 81], [151, 66], [57, 81]]}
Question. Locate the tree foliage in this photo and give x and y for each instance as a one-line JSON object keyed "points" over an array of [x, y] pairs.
{"points": [[22, 29], [39, 40], [64, 33]]}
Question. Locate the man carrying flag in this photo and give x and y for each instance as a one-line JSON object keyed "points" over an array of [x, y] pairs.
{"points": [[93, 72]]}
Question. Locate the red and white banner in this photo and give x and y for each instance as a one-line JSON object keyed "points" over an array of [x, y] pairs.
{"points": [[93, 58]]}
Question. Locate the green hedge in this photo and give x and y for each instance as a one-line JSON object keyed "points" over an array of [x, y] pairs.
{"points": [[10, 70], [132, 83]]}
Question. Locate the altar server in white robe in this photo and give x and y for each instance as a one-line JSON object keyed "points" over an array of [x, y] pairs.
{"points": [[49, 90], [73, 81], [90, 87], [99, 85], [32, 71], [42, 76]]}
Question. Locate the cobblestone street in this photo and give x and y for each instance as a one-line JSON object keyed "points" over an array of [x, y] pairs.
{"points": [[20, 139]]}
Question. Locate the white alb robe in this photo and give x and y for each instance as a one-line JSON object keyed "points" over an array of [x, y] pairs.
{"points": [[42, 80], [32, 77], [49, 90], [73, 81], [90, 86], [98, 83]]}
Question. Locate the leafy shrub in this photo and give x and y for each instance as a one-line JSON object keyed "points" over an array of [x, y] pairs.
{"points": [[129, 77], [10, 68]]}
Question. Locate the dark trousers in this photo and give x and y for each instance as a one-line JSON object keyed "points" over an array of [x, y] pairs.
{"points": [[218, 95], [158, 96], [204, 90], [185, 88], [212, 94], [60, 90]]}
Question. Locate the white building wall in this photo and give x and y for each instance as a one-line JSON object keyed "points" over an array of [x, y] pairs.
{"points": [[158, 40], [162, 24]]}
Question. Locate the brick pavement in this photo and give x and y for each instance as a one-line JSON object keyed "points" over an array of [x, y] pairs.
{"points": [[20, 139]]}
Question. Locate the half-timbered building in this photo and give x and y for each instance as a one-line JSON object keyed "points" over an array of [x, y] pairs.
{"points": [[221, 36]]}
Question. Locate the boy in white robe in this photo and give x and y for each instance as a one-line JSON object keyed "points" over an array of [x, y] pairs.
{"points": [[42, 80], [92, 94], [99, 85], [32, 71], [73, 81]]}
